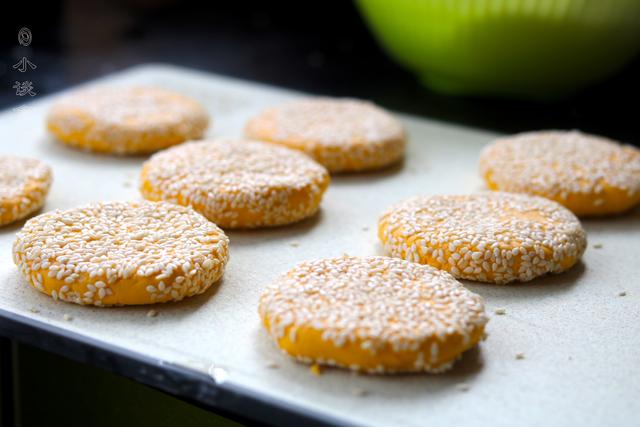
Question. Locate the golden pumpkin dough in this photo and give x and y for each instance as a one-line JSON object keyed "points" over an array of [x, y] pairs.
{"points": [[126, 120], [372, 314], [491, 237], [587, 174], [237, 183], [121, 253], [24, 185], [343, 135]]}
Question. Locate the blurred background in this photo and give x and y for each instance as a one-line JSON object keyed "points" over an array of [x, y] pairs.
{"points": [[328, 48]]}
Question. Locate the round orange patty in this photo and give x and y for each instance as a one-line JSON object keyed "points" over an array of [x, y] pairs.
{"points": [[126, 120], [492, 237], [24, 185], [236, 183], [589, 175], [121, 253], [373, 314], [344, 135]]}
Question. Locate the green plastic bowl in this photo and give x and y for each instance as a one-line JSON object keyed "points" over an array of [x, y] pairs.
{"points": [[514, 48]]}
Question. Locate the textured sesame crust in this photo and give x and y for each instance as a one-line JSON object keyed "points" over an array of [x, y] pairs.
{"points": [[121, 253], [24, 185], [492, 237], [372, 314], [587, 174], [237, 183], [344, 135], [126, 120]]}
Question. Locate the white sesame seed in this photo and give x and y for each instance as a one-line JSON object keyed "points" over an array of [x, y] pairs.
{"points": [[463, 386], [359, 392], [500, 311]]}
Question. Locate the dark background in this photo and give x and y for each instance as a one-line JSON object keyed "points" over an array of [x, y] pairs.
{"points": [[322, 47]]}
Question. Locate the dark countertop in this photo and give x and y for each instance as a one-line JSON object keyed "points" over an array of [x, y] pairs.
{"points": [[318, 47]]}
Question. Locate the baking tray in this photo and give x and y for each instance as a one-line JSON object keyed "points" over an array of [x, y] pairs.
{"points": [[580, 338]]}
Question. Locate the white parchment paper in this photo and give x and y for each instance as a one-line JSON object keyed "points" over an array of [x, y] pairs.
{"points": [[580, 338]]}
